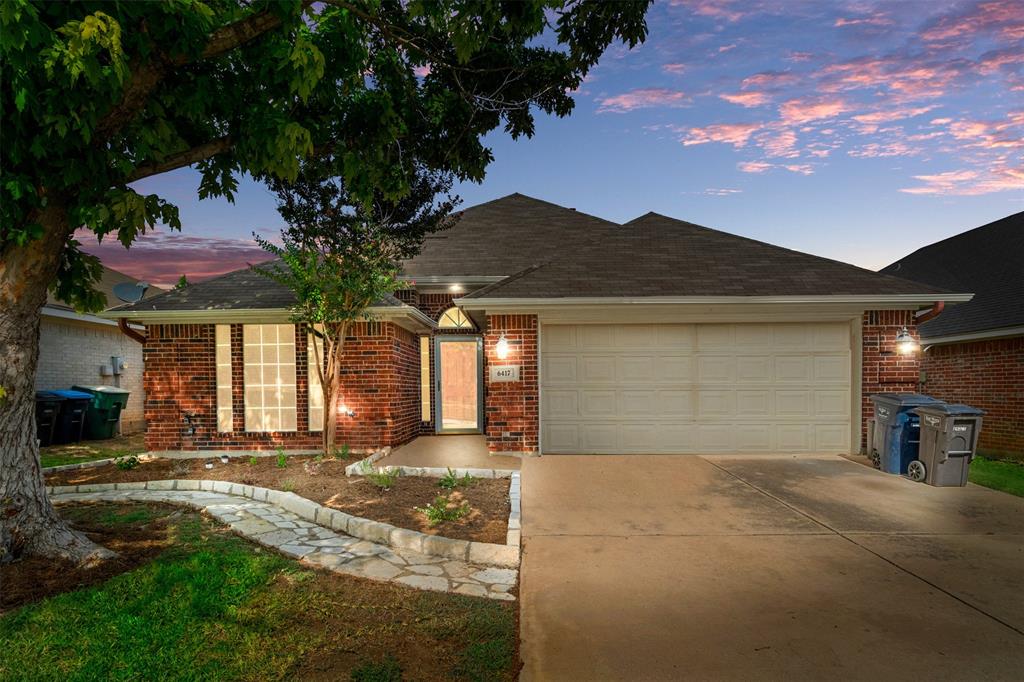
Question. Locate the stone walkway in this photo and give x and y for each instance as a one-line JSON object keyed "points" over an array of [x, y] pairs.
{"points": [[315, 545]]}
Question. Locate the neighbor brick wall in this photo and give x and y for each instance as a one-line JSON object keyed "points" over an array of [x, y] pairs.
{"points": [[884, 370], [985, 374], [512, 408], [71, 352], [379, 382]]}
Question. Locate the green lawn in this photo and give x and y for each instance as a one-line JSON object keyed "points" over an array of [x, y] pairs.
{"points": [[215, 607], [86, 451], [998, 475]]}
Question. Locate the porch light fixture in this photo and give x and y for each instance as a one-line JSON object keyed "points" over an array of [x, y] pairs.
{"points": [[501, 348], [343, 409], [905, 343], [455, 288]]}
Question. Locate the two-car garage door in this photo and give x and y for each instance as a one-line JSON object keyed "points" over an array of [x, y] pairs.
{"points": [[693, 388]]}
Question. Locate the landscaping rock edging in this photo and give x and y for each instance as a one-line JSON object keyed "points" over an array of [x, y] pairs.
{"points": [[490, 554]]}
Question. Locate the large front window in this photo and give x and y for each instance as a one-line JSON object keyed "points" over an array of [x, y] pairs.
{"points": [[270, 396]]}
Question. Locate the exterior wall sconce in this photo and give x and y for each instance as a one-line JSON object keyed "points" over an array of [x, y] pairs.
{"points": [[502, 347], [344, 409], [905, 343]]}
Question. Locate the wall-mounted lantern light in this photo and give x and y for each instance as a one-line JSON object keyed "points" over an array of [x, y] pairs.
{"points": [[343, 409], [501, 348], [905, 343]]}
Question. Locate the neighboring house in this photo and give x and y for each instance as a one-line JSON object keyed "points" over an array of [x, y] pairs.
{"points": [[974, 352], [77, 348], [550, 331]]}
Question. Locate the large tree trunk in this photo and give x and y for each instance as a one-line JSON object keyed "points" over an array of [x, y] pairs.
{"points": [[28, 522]]}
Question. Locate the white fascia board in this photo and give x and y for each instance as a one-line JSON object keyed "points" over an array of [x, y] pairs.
{"points": [[973, 336], [452, 279], [868, 302], [86, 318]]}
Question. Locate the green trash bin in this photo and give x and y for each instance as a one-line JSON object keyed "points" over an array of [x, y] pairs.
{"points": [[104, 410]]}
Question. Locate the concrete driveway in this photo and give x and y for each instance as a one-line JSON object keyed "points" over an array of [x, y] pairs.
{"points": [[731, 567]]}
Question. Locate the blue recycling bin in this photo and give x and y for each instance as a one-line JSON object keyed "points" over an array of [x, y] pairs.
{"points": [[898, 429], [71, 420]]}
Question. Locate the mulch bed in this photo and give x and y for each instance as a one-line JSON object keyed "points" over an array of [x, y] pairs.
{"points": [[30, 579], [488, 498]]}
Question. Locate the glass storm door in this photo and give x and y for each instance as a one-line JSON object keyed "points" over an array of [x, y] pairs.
{"points": [[459, 383]]}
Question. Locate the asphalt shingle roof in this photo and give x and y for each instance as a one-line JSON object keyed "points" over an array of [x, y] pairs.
{"points": [[502, 237], [988, 261], [655, 255], [108, 280], [237, 290]]}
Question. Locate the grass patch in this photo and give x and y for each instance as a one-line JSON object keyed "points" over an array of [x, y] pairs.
{"points": [[998, 475], [87, 451], [214, 606]]}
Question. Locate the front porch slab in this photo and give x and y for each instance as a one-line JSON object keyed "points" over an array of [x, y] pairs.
{"points": [[457, 452]]}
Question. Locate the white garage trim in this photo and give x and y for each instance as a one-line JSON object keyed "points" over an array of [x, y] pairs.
{"points": [[700, 386]]}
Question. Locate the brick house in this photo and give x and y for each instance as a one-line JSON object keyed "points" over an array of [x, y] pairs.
{"points": [[79, 348], [550, 331], [974, 352]]}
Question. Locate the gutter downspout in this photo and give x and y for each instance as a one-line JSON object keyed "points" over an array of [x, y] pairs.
{"points": [[122, 324], [931, 313]]}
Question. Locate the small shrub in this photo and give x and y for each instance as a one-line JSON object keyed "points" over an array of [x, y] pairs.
{"points": [[253, 461], [451, 480], [343, 452], [442, 509], [282, 460], [127, 463], [288, 486], [383, 479], [319, 457]]}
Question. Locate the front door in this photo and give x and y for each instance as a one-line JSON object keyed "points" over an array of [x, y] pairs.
{"points": [[459, 383]]}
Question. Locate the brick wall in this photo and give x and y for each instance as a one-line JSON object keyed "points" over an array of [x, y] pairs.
{"points": [[512, 408], [884, 370], [379, 383], [985, 374], [71, 352]]}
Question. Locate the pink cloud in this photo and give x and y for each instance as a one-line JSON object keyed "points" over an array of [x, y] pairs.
{"points": [[716, 9], [736, 134], [800, 57], [721, 192], [881, 150], [726, 48], [1006, 134], [1002, 18], [801, 168], [769, 79], [797, 111], [642, 98], [422, 71], [869, 123], [747, 99], [673, 68], [161, 257], [970, 182], [875, 20], [779, 143], [754, 166]]}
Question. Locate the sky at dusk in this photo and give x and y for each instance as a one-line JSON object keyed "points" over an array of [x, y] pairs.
{"points": [[857, 130]]}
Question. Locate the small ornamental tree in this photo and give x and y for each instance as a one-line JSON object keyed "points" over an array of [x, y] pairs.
{"points": [[96, 96], [340, 256]]}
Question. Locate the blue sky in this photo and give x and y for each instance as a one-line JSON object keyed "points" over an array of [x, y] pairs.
{"points": [[857, 130]]}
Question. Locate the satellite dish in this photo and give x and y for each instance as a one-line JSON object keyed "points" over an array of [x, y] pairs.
{"points": [[131, 293]]}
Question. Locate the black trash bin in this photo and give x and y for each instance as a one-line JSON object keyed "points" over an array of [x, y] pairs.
{"points": [[949, 439], [47, 413], [71, 421], [896, 432]]}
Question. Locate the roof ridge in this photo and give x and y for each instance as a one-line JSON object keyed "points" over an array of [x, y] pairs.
{"points": [[776, 247], [959, 235]]}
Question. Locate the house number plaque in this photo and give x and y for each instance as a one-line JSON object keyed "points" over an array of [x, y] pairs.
{"points": [[504, 373]]}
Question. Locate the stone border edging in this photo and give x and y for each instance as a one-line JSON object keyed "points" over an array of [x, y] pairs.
{"points": [[491, 554]]}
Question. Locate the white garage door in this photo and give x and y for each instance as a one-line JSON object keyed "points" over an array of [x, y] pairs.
{"points": [[694, 388]]}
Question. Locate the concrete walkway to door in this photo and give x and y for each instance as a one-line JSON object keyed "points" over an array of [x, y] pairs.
{"points": [[731, 567], [455, 451]]}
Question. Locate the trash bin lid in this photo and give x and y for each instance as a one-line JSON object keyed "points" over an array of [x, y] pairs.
{"points": [[113, 390], [73, 395], [955, 409], [904, 398], [53, 396]]}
